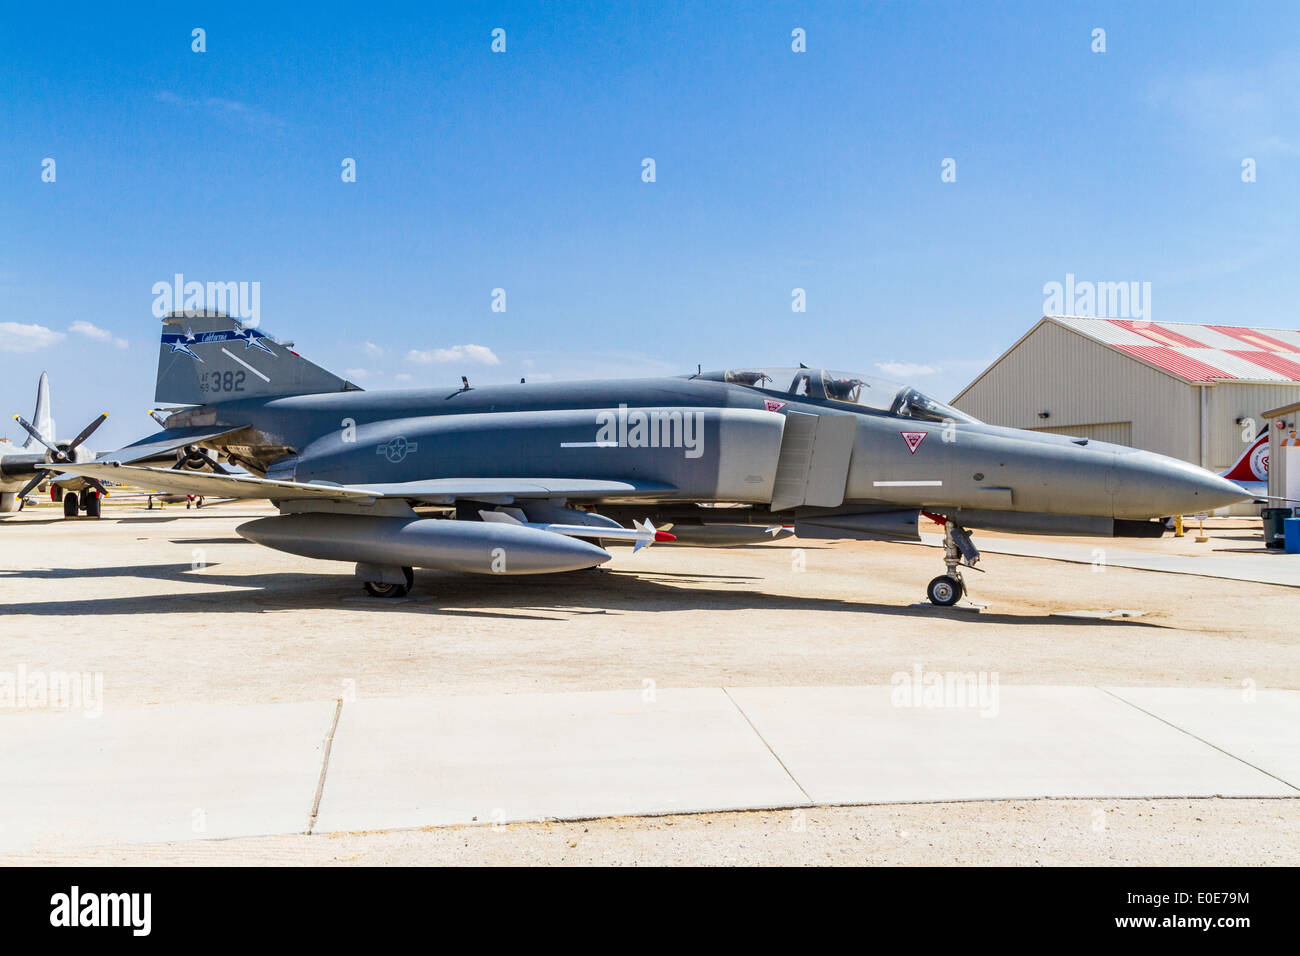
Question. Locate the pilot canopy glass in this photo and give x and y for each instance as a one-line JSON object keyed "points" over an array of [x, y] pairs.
{"points": [[849, 388]]}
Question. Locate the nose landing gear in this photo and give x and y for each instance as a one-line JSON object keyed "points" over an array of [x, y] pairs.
{"points": [[947, 589]]}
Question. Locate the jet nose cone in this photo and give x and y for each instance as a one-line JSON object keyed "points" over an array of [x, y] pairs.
{"points": [[1148, 485]]}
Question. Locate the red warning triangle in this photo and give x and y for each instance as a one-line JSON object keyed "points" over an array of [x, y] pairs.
{"points": [[913, 440]]}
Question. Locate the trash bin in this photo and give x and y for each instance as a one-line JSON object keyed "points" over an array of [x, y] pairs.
{"points": [[1274, 526], [1292, 535]]}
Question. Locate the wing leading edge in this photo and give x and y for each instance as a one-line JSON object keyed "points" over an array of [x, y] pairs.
{"points": [[431, 491]]}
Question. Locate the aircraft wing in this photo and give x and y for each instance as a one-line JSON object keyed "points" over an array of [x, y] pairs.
{"points": [[177, 482], [447, 490], [431, 491], [163, 442]]}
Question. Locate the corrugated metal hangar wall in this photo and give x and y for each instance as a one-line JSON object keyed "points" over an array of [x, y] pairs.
{"points": [[1061, 380]]}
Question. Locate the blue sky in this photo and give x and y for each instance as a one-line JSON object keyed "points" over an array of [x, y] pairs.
{"points": [[522, 170]]}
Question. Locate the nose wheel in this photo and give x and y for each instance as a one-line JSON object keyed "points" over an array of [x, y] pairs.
{"points": [[946, 590], [958, 549]]}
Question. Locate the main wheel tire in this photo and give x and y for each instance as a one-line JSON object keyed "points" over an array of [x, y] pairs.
{"points": [[91, 503], [380, 589], [71, 504], [945, 590]]}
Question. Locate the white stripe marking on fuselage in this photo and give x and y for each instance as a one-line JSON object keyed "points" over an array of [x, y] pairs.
{"points": [[907, 484], [588, 444], [232, 355]]}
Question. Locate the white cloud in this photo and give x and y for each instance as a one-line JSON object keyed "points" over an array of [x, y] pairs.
{"points": [[476, 354], [17, 337], [357, 373], [373, 350], [234, 110], [403, 377], [96, 333], [905, 370], [1238, 113]]}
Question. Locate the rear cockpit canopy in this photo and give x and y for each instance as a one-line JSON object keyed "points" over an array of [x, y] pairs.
{"points": [[864, 391]]}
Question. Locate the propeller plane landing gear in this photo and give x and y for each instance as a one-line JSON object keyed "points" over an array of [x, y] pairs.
{"points": [[958, 549]]}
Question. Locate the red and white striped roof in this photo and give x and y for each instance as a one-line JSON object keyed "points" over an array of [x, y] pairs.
{"points": [[1199, 353]]}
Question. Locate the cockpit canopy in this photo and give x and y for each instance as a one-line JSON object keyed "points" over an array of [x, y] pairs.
{"points": [[866, 392]]}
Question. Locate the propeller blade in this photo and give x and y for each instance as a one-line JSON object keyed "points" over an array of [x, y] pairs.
{"points": [[35, 434], [86, 433], [195, 453], [40, 476]]}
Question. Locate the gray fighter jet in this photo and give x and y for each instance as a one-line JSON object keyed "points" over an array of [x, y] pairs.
{"points": [[533, 478]]}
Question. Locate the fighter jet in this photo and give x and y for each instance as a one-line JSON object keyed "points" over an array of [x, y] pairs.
{"points": [[42, 456], [533, 478]]}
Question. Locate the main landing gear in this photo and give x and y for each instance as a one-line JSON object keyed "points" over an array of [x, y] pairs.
{"points": [[88, 501], [947, 589], [387, 589]]}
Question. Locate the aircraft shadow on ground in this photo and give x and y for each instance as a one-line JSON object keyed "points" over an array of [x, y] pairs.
{"points": [[548, 596], [114, 519]]}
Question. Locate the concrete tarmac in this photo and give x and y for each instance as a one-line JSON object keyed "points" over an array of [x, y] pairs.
{"points": [[143, 775], [482, 701]]}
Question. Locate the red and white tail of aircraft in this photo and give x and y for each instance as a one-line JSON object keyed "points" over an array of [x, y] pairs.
{"points": [[1251, 469]]}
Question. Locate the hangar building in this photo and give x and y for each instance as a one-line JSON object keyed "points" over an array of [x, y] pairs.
{"points": [[1189, 391]]}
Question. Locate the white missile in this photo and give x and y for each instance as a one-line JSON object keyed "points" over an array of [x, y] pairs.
{"points": [[642, 534]]}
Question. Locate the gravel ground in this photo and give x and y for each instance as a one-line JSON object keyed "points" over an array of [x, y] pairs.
{"points": [[993, 833]]}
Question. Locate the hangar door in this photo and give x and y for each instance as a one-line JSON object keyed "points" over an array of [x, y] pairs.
{"points": [[1119, 433]]}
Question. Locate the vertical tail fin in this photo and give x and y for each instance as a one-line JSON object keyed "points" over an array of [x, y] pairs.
{"points": [[207, 356], [1253, 463], [41, 419]]}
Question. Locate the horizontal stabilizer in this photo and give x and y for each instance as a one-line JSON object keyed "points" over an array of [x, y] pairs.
{"points": [[163, 443]]}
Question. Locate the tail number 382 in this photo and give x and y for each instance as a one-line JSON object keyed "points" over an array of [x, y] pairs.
{"points": [[222, 381]]}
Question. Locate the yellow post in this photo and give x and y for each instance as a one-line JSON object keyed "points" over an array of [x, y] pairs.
{"points": [[1178, 526]]}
